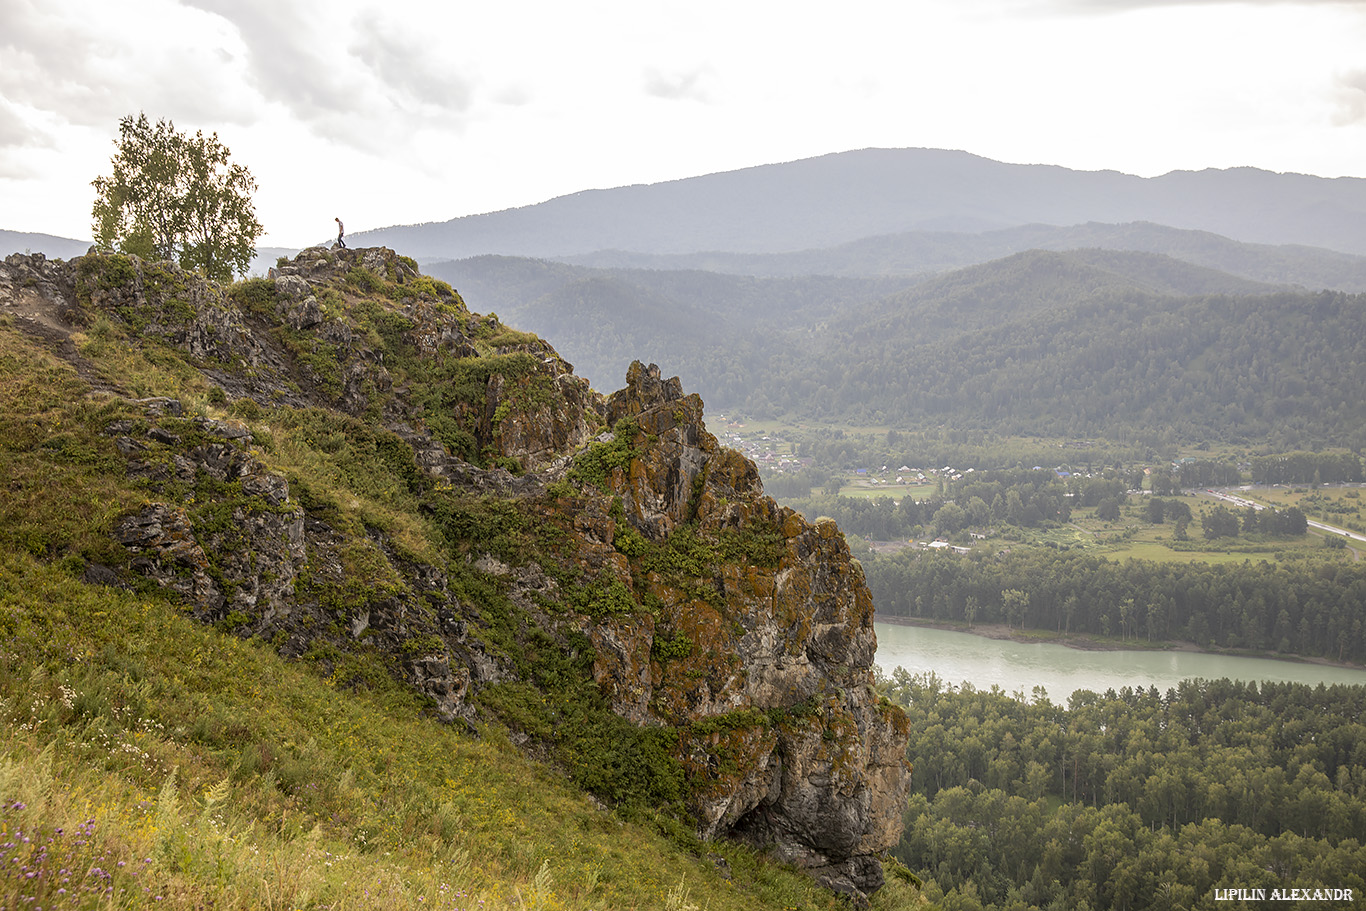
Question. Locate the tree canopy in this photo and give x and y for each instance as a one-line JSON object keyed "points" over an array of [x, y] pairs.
{"points": [[178, 197], [1135, 799]]}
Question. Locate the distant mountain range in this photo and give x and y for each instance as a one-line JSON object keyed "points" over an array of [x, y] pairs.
{"points": [[601, 318], [920, 252], [49, 245], [839, 198], [904, 212]]}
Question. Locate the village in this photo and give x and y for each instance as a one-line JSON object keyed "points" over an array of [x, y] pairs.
{"points": [[772, 452], [807, 484]]}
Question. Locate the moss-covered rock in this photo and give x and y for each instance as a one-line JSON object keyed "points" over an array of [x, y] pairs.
{"points": [[779, 732]]}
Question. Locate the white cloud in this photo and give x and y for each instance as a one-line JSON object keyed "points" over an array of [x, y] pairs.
{"points": [[678, 86], [413, 111], [17, 132], [290, 58], [1109, 6], [1351, 98], [368, 78], [90, 63], [409, 74]]}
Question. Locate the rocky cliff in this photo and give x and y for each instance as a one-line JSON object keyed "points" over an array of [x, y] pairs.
{"points": [[343, 461]]}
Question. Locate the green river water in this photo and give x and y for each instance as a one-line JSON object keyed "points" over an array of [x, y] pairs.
{"points": [[1018, 667]]}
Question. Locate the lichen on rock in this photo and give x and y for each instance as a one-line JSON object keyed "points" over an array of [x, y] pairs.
{"points": [[779, 728]]}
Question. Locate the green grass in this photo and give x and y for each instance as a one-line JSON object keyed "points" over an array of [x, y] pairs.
{"points": [[1160, 553], [866, 492], [205, 770], [62, 479], [186, 764]]}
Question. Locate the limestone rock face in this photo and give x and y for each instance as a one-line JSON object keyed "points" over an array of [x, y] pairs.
{"points": [[247, 557], [772, 690], [535, 428], [164, 549]]}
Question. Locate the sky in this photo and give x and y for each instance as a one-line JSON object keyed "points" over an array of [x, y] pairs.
{"points": [[401, 111]]}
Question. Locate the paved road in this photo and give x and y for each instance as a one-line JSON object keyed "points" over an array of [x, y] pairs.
{"points": [[1244, 502]]}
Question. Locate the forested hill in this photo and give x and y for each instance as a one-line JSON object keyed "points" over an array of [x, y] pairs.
{"points": [[1284, 368], [712, 323], [1013, 288], [1082, 343], [709, 327]]}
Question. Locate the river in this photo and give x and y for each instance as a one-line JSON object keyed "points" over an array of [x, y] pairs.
{"points": [[1020, 666]]}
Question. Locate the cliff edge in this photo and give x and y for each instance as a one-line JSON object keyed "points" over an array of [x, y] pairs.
{"points": [[344, 462]]}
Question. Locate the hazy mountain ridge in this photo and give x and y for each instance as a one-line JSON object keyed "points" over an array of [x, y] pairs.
{"points": [[918, 252], [731, 336], [1077, 343], [602, 315], [907, 211], [48, 244], [1015, 287], [842, 197]]}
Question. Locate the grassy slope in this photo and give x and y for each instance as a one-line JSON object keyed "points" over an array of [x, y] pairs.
{"points": [[200, 768], [146, 754]]}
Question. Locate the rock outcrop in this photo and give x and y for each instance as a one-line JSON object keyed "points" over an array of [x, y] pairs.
{"points": [[766, 664], [569, 533]]}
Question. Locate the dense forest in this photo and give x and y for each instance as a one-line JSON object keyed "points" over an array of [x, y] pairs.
{"points": [[1136, 799], [1303, 609], [1284, 370]]}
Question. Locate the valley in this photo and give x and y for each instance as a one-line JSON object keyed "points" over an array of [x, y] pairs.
{"points": [[514, 642]]}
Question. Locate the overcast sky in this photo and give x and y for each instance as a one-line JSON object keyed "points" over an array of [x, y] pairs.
{"points": [[403, 111]]}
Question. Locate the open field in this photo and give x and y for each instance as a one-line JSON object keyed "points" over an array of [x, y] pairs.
{"points": [[1132, 537]]}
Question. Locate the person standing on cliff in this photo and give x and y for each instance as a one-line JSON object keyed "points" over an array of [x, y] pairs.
{"points": [[341, 233]]}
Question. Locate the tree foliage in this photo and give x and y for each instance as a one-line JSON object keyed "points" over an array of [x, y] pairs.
{"points": [[1307, 609], [177, 197], [1135, 799]]}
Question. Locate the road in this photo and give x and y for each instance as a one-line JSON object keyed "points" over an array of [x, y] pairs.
{"points": [[1244, 502]]}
